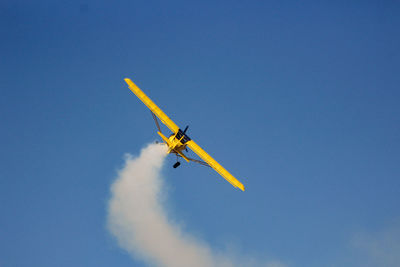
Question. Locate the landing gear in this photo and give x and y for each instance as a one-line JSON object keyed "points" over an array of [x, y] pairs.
{"points": [[176, 165]]}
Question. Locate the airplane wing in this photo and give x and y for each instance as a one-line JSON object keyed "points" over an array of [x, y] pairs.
{"points": [[153, 107], [214, 164]]}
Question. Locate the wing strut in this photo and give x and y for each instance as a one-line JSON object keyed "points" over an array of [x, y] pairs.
{"points": [[156, 121], [196, 160], [200, 162]]}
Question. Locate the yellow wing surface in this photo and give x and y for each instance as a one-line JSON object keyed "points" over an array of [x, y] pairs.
{"points": [[174, 128], [214, 164], [153, 107]]}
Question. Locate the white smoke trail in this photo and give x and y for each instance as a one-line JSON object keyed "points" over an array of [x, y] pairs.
{"points": [[137, 219]]}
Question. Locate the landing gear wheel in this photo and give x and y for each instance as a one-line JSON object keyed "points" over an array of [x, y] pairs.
{"points": [[176, 165]]}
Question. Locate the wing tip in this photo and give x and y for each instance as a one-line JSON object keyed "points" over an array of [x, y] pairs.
{"points": [[128, 81]]}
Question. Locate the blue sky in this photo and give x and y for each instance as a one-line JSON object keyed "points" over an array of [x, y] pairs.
{"points": [[297, 100]]}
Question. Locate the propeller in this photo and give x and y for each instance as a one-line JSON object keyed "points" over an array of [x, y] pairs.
{"points": [[187, 127]]}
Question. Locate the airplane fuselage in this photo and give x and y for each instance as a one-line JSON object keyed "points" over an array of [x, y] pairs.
{"points": [[176, 143]]}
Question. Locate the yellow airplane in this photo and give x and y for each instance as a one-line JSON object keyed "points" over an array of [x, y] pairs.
{"points": [[178, 141]]}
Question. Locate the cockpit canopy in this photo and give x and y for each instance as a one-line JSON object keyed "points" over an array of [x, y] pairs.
{"points": [[181, 134]]}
